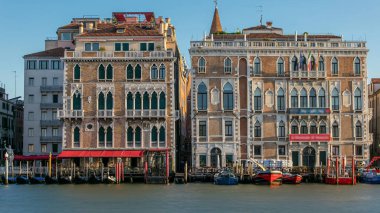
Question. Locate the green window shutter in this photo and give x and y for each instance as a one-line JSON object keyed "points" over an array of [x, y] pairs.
{"points": [[130, 134], [162, 101], [76, 135], [109, 134], [138, 72], [129, 72], [129, 101], [138, 101], [109, 72], [109, 101], [101, 101], [162, 134], [77, 72], [77, 102], [125, 46], [101, 72], [154, 134], [146, 101], [151, 46], [138, 134], [101, 134], [142, 46], [154, 100], [117, 46]]}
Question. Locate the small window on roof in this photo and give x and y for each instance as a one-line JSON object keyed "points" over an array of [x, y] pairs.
{"points": [[66, 37]]}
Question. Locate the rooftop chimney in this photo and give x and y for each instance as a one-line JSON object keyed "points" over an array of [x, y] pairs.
{"points": [[90, 26], [269, 24], [81, 28]]}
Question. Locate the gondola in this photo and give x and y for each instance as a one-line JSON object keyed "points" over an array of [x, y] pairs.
{"points": [[80, 180], [94, 180], [37, 180], [22, 180], [51, 180], [64, 180]]}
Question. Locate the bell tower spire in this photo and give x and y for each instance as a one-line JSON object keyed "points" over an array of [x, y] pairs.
{"points": [[216, 26]]}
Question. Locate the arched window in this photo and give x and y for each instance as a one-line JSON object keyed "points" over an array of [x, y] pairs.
{"points": [[335, 99], [109, 136], [76, 137], [130, 137], [129, 72], [280, 99], [77, 101], [334, 66], [313, 128], [162, 100], [304, 127], [77, 72], [146, 100], [281, 129], [303, 63], [303, 98], [294, 64], [357, 66], [280, 66], [358, 130], [101, 101], [295, 127], [138, 101], [154, 72], [101, 136], [154, 136], [109, 72], [138, 72], [358, 99], [109, 101], [294, 98], [154, 101], [138, 137], [321, 66], [322, 98], [257, 129], [312, 63], [335, 130], [202, 97], [228, 97], [129, 101], [322, 128], [313, 98], [227, 65], [101, 72], [257, 66], [162, 136], [257, 99], [162, 72], [202, 65]]}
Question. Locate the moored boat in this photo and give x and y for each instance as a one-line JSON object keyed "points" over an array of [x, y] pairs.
{"points": [[64, 180], [225, 178], [22, 180], [372, 176], [51, 180], [268, 178], [11, 180], [289, 178], [37, 180]]}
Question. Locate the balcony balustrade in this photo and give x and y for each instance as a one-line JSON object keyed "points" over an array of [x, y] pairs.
{"points": [[117, 54], [307, 74], [105, 113], [70, 113], [52, 88]]}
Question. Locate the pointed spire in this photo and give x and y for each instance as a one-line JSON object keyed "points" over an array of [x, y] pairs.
{"points": [[216, 26]]}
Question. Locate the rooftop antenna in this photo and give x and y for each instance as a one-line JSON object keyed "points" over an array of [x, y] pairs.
{"points": [[216, 3], [260, 11]]}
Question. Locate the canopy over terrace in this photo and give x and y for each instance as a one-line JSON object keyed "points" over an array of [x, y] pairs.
{"points": [[101, 154]]}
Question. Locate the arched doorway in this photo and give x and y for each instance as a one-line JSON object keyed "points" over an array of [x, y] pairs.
{"points": [[216, 158], [308, 159]]}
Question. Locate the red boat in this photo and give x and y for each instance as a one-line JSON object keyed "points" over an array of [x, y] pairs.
{"points": [[291, 178], [268, 178], [341, 180]]}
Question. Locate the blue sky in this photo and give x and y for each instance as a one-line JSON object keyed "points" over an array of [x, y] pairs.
{"points": [[25, 24]]}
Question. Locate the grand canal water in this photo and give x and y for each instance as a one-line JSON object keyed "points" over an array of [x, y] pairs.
{"points": [[189, 198]]}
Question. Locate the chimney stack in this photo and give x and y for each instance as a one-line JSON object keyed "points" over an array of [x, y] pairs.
{"points": [[269, 24], [81, 28], [90, 26]]}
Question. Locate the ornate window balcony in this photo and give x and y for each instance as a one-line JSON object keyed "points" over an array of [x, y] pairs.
{"points": [[70, 114]]}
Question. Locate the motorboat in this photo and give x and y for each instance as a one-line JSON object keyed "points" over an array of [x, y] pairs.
{"points": [[225, 178], [268, 177], [289, 178]]}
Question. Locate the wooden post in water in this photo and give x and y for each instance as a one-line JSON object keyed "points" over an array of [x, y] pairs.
{"points": [[102, 171], [27, 169], [50, 164], [20, 169], [337, 170], [328, 167], [167, 166], [353, 171], [12, 169], [185, 172], [34, 168], [41, 169], [56, 168]]}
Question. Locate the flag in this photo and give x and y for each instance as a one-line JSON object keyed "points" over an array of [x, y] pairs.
{"points": [[300, 62], [309, 61], [317, 63]]}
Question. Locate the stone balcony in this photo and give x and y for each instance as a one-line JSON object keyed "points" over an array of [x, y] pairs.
{"points": [[117, 54], [50, 123], [160, 113], [307, 74], [51, 105], [70, 114], [105, 113], [51, 139], [52, 88]]}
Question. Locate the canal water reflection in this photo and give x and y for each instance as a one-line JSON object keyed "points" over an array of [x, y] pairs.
{"points": [[189, 198]]}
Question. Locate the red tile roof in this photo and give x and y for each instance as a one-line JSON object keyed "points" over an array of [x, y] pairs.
{"points": [[130, 30], [56, 53], [375, 80], [70, 26]]}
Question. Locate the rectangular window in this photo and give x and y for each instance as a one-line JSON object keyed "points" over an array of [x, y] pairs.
{"points": [[151, 46], [55, 148], [43, 132], [66, 36], [55, 64], [359, 150], [143, 47], [43, 98], [30, 148], [55, 81], [202, 160], [228, 128], [30, 132], [335, 150], [44, 81], [43, 115], [202, 129], [31, 64], [44, 65], [121, 46], [55, 98], [55, 132], [54, 115], [117, 46], [31, 99], [43, 148], [30, 116], [229, 161], [281, 150], [257, 150], [91, 46], [31, 82]]}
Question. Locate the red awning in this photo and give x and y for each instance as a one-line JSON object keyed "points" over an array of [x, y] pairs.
{"points": [[101, 153], [32, 157]]}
